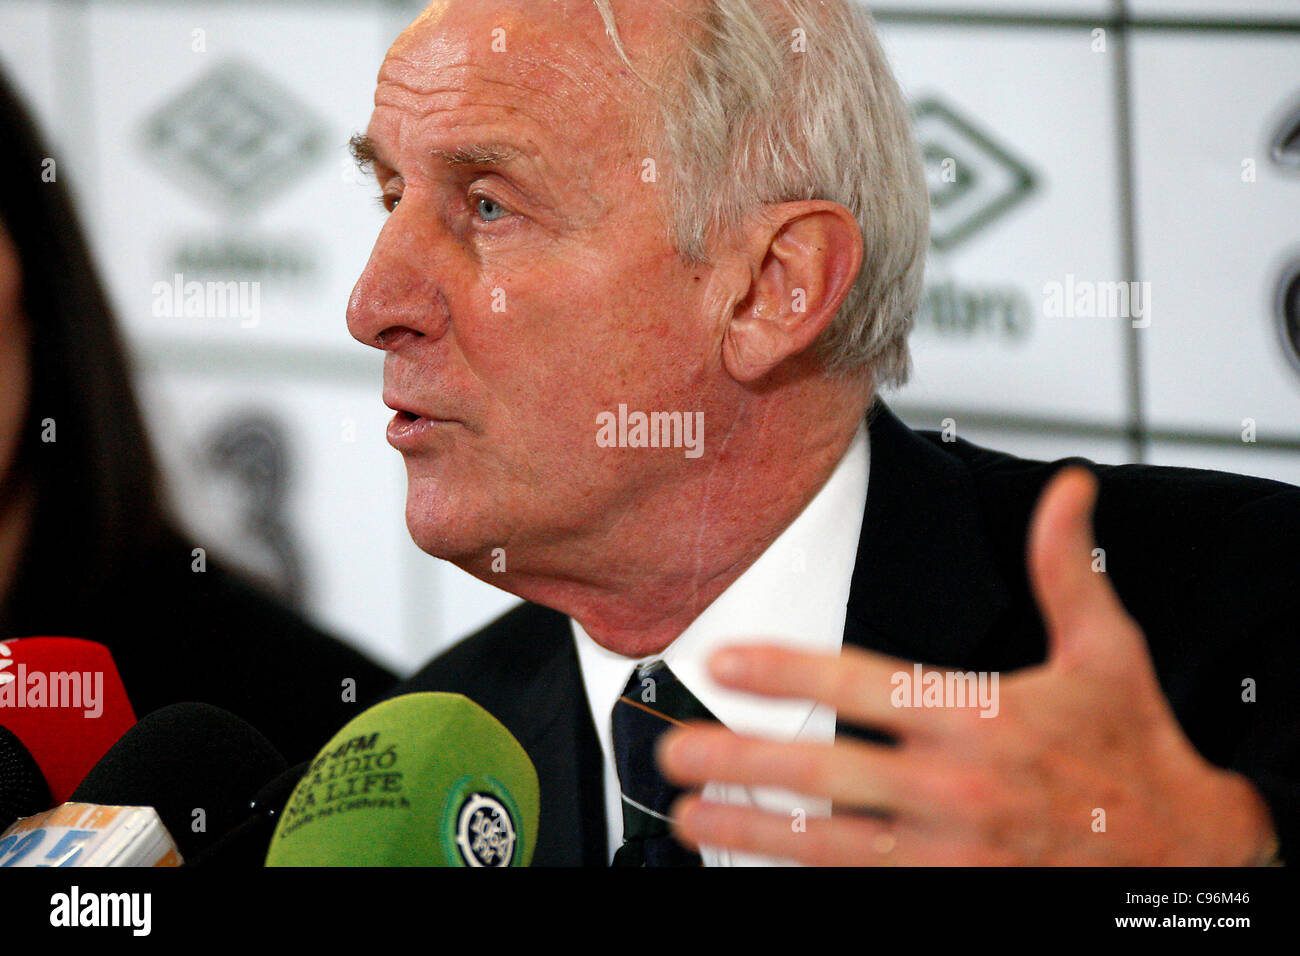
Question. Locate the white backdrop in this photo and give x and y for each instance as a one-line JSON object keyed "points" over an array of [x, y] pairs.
{"points": [[1069, 142]]}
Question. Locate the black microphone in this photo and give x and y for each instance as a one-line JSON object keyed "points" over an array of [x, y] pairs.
{"points": [[245, 846], [23, 791], [195, 764]]}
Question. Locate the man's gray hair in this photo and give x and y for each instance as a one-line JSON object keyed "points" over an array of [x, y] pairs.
{"points": [[784, 100]]}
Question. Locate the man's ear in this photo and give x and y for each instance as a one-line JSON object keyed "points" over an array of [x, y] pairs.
{"points": [[806, 257]]}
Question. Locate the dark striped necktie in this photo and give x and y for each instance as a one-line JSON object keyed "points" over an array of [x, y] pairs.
{"points": [[653, 701]]}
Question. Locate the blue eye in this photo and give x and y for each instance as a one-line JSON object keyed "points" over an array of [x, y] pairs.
{"points": [[489, 209]]}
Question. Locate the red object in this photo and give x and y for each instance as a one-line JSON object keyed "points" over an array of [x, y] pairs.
{"points": [[64, 699]]}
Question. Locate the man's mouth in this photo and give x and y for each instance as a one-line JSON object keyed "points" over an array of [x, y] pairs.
{"points": [[407, 414], [408, 432], [410, 429]]}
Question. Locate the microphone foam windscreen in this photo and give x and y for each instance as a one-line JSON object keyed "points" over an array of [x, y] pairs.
{"points": [[419, 780], [23, 791], [196, 764], [64, 699]]}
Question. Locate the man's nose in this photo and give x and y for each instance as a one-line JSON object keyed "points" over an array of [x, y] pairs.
{"points": [[397, 294]]}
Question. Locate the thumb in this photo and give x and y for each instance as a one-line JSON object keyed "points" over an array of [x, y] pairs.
{"points": [[1082, 613]]}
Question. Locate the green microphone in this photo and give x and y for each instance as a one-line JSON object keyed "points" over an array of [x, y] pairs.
{"points": [[418, 780]]}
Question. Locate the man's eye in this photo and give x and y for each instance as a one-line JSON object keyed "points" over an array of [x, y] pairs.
{"points": [[389, 202], [489, 209]]}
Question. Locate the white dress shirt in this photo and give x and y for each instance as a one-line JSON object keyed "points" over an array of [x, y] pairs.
{"points": [[796, 594]]}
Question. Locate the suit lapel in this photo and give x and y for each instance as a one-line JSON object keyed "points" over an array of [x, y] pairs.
{"points": [[567, 757], [548, 706], [925, 586]]}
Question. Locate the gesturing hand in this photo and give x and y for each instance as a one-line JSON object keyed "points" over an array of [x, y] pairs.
{"points": [[1083, 763]]}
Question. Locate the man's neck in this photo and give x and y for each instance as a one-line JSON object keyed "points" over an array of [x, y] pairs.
{"points": [[673, 552]]}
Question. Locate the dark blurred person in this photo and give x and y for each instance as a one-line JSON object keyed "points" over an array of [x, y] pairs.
{"points": [[87, 547]]}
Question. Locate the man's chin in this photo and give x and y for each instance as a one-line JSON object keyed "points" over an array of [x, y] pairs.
{"points": [[445, 529], [441, 539]]}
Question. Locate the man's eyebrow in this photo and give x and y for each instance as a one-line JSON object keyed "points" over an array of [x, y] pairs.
{"points": [[485, 154], [475, 155], [363, 150], [366, 153]]}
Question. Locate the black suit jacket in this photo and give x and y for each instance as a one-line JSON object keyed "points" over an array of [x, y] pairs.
{"points": [[1206, 562]]}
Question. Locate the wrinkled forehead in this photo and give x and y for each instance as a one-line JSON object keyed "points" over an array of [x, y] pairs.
{"points": [[556, 47], [540, 73], [534, 76]]}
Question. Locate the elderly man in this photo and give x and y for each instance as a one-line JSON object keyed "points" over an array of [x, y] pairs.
{"points": [[645, 267]]}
